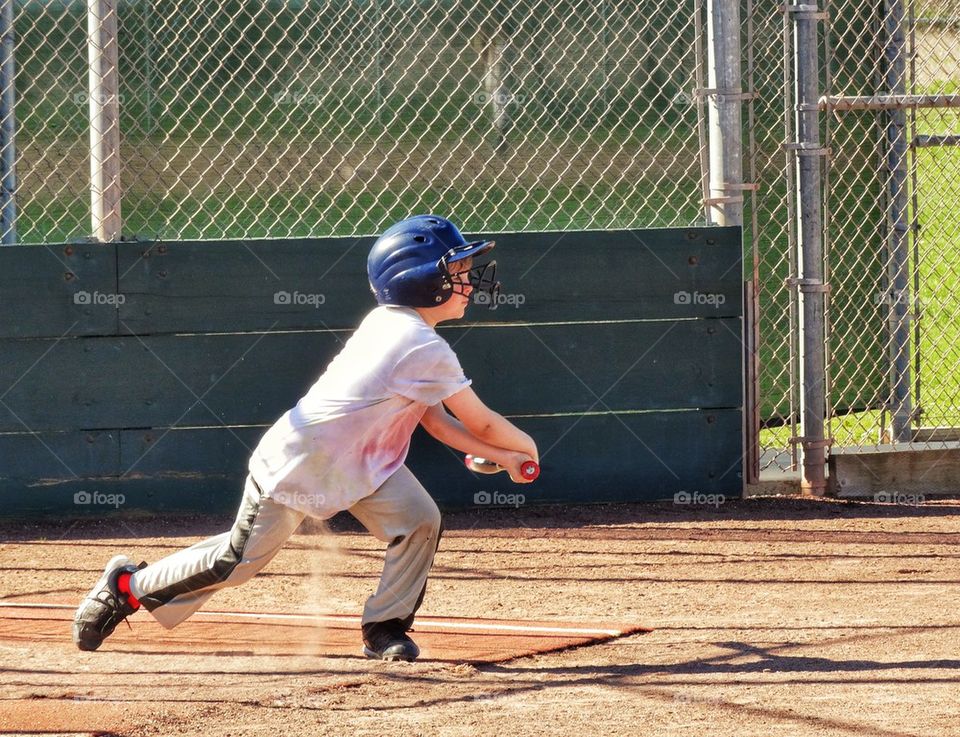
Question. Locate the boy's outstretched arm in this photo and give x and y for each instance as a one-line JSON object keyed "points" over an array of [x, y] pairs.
{"points": [[489, 426], [484, 433]]}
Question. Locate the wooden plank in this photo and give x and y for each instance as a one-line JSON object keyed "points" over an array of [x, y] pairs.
{"points": [[201, 286], [225, 286], [604, 458], [159, 381], [593, 367], [255, 285], [48, 457], [180, 453], [617, 274], [114, 498], [697, 451], [585, 459], [49, 291], [902, 473]]}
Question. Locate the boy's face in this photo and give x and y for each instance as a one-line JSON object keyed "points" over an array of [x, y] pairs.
{"points": [[460, 273], [453, 308]]}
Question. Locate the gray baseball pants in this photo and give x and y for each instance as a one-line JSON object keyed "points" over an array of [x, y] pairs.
{"points": [[400, 513]]}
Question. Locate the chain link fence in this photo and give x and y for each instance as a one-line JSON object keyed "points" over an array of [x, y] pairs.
{"points": [[294, 119]]}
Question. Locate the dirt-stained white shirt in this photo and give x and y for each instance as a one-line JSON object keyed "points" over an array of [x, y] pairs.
{"points": [[352, 429]]}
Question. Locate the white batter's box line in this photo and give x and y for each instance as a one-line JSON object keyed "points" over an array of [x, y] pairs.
{"points": [[420, 625]]}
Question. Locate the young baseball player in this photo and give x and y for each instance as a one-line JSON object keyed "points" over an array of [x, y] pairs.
{"points": [[342, 447]]}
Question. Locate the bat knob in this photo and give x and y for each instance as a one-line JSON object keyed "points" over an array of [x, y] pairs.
{"points": [[530, 470]]}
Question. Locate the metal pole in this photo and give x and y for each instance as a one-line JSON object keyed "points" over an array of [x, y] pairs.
{"points": [[792, 234], [811, 285], [898, 268], [895, 101], [148, 73], [698, 101], [726, 155], [915, 219], [104, 119], [378, 23], [8, 128], [751, 323]]}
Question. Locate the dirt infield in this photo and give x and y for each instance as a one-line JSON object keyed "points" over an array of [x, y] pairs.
{"points": [[771, 617]]}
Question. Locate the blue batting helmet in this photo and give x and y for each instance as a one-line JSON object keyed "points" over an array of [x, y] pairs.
{"points": [[408, 264]]}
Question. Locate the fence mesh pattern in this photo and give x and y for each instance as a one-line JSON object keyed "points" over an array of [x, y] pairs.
{"points": [[286, 119]]}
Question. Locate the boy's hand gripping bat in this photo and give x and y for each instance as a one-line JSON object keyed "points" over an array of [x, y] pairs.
{"points": [[529, 469]]}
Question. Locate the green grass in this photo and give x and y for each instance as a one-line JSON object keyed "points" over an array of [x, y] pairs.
{"points": [[350, 213], [939, 210]]}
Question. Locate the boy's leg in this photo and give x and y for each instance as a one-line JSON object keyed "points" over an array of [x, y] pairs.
{"points": [[175, 587], [403, 514]]}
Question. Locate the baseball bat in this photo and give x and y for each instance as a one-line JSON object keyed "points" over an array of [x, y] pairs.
{"points": [[529, 469]]}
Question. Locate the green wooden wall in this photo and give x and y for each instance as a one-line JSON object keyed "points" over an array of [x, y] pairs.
{"points": [[140, 375]]}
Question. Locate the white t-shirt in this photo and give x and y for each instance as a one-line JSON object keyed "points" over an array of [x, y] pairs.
{"points": [[352, 429]]}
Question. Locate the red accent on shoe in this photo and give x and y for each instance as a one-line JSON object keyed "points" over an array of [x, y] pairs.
{"points": [[123, 586]]}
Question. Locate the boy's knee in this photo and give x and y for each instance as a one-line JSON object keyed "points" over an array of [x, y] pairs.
{"points": [[429, 519], [423, 520]]}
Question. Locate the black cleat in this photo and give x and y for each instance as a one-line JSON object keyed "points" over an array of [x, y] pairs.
{"points": [[388, 641], [104, 607]]}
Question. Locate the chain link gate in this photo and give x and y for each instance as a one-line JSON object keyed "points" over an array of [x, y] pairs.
{"points": [[893, 215], [890, 172]]}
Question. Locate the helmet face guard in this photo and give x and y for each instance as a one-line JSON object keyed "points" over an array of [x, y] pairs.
{"points": [[482, 277]]}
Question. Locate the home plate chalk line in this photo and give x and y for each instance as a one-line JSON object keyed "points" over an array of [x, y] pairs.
{"points": [[422, 623]]}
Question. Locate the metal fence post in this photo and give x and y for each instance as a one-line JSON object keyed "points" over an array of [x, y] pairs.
{"points": [[8, 128], [898, 270], [809, 152], [725, 196], [104, 101], [725, 204]]}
